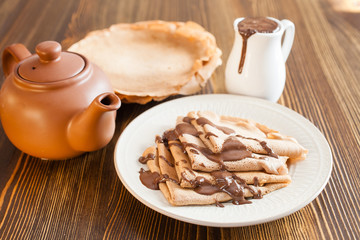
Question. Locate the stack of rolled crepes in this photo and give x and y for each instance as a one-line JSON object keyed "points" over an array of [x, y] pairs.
{"points": [[209, 159]]}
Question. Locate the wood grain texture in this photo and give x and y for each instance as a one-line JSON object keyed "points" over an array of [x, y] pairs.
{"points": [[83, 198]]}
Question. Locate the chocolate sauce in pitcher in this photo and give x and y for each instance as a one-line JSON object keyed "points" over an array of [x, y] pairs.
{"points": [[251, 25]]}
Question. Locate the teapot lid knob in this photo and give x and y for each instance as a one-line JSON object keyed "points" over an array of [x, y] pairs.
{"points": [[48, 51], [50, 64]]}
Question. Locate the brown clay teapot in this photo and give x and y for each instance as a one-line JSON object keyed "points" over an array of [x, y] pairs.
{"points": [[54, 104]]}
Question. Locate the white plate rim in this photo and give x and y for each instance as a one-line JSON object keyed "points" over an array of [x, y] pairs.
{"points": [[326, 153]]}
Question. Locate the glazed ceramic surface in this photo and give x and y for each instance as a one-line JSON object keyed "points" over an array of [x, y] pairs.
{"points": [[309, 177], [263, 73], [54, 104]]}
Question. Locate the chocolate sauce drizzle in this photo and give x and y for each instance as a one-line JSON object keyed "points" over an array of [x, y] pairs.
{"points": [[249, 26], [266, 147], [209, 134], [167, 161], [232, 151], [187, 119], [256, 181], [269, 151], [148, 157], [202, 121], [158, 139], [152, 179], [170, 135], [228, 183], [186, 128], [219, 204]]}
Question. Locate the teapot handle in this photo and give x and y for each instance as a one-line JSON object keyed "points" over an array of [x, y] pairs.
{"points": [[288, 39], [12, 55]]}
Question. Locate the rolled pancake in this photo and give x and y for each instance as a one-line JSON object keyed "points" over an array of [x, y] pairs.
{"points": [[187, 176], [178, 196], [152, 60], [256, 137], [236, 158]]}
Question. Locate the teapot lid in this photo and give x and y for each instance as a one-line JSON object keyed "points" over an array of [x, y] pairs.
{"points": [[50, 64]]}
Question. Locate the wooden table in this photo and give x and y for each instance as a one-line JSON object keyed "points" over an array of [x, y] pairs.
{"points": [[83, 198]]}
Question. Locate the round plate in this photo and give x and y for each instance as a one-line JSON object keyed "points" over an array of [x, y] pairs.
{"points": [[309, 177]]}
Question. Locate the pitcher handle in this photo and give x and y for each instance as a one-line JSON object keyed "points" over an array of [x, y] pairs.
{"points": [[288, 38], [12, 55]]}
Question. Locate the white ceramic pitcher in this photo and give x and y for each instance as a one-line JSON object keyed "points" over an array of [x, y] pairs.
{"points": [[263, 72]]}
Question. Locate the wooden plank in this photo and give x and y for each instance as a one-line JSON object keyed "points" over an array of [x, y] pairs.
{"points": [[83, 198]]}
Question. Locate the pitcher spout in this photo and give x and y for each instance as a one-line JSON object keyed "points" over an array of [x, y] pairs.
{"points": [[93, 128]]}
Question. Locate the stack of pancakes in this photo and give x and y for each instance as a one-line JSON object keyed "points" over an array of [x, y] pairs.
{"points": [[209, 159], [152, 60]]}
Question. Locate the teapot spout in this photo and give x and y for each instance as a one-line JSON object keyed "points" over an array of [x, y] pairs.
{"points": [[93, 128]]}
